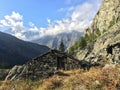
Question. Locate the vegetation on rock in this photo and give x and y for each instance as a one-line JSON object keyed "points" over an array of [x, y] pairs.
{"points": [[84, 41], [112, 22]]}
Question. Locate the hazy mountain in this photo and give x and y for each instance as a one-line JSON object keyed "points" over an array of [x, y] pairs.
{"points": [[68, 39], [15, 51]]}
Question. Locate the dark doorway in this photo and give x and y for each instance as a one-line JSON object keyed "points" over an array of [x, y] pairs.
{"points": [[60, 63], [109, 50]]}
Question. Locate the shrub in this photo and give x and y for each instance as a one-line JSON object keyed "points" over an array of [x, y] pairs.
{"points": [[112, 22], [79, 44], [118, 19]]}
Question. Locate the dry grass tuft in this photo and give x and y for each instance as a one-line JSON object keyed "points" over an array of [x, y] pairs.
{"points": [[96, 78]]}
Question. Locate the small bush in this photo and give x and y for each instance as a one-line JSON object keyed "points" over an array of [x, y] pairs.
{"points": [[118, 19], [112, 22]]}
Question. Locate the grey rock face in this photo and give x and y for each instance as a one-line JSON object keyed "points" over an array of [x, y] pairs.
{"points": [[3, 73], [107, 16], [109, 38], [106, 48], [16, 72]]}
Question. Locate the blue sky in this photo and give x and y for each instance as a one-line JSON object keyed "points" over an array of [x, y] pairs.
{"points": [[45, 17], [36, 11]]}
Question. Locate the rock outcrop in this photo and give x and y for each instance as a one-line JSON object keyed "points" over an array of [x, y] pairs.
{"points": [[107, 16], [106, 48], [3, 73]]}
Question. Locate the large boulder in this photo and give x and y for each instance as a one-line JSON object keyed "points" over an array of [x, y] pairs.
{"points": [[3, 73]]}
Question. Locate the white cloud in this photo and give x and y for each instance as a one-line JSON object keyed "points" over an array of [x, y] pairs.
{"points": [[48, 20], [78, 18], [33, 27], [20, 35], [14, 21], [15, 16], [83, 12], [31, 24]]}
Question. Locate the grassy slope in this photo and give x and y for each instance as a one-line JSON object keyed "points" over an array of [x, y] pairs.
{"points": [[96, 78]]}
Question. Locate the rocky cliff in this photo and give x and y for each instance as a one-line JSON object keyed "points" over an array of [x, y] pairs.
{"points": [[105, 48], [107, 16]]}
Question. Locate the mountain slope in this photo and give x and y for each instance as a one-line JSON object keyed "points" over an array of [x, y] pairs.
{"points": [[105, 32], [14, 51], [68, 39]]}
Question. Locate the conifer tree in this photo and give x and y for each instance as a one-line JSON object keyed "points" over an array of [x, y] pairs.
{"points": [[61, 46]]}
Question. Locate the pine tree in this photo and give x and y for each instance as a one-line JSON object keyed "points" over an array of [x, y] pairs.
{"points": [[83, 42], [61, 46]]}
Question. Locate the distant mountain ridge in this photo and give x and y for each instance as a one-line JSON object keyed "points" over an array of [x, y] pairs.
{"points": [[15, 51], [68, 39]]}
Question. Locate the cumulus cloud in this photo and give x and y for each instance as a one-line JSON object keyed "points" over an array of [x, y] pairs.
{"points": [[78, 18], [14, 21], [33, 27]]}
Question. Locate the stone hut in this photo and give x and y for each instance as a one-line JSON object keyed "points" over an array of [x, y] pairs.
{"points": [[43, 66]]}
